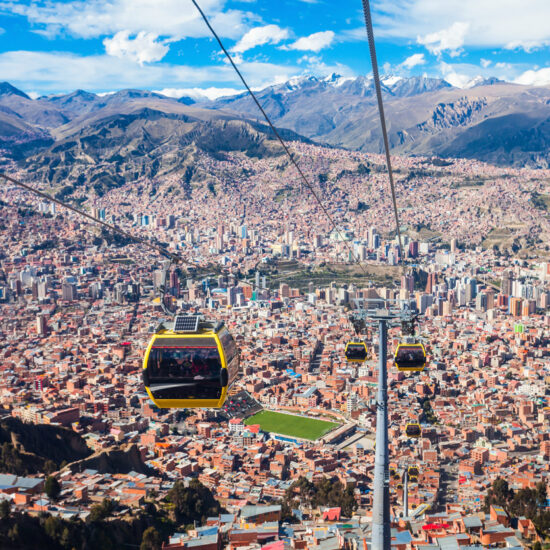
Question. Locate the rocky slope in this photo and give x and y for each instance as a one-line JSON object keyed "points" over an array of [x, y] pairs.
{"points": [[492, 121], [27, 448], [81, 139]]}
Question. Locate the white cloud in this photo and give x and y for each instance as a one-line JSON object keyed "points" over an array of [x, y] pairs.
{"points": [[63, 72], [258, 36], [96, 18], [455, 78], [485, 62], [314, 42], [414, 60], [144, 48], [458, 80], [451, 39], [526, 45], [493, 23], [534, 78], [199, 93]]}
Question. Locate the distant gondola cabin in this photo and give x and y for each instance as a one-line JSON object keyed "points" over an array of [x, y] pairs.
{"points": [[410, 357], [413, 430], [356, 352]]}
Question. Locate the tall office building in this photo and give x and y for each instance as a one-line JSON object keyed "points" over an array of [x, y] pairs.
{"points": [[407, 283], [41, 325], [481, 301], [507, 283], [432, 281], [284, 290], [68, 292]]}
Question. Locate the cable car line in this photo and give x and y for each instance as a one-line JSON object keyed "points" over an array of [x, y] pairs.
{"points": [[172, 256], [376, 76], [278, 136]]}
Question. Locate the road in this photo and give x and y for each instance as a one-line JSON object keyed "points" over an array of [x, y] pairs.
{"points": [[448, 489]]}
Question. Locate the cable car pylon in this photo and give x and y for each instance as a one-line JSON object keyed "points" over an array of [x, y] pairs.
{"points": [[383, 313], [381, 533]]}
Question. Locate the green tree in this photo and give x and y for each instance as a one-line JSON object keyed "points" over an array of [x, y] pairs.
{"points": [[13, 533], [193, 503], [52, 527], [50, 466], [101, 511], [542, 493], [66, 539], [348, 502], [5, 508], [52, 487], [151, 539]]}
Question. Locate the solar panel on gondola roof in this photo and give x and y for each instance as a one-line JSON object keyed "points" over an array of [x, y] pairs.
{"points": [[186, 323]]}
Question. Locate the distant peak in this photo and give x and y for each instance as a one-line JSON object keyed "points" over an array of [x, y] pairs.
{"points": [[131, 93], [390, 80], [83, 93], [334, 77], [7, 89], [481, 81], [297, 81]]}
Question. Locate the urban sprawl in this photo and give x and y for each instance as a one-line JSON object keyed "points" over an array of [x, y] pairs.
{"points": [[78, 306]]}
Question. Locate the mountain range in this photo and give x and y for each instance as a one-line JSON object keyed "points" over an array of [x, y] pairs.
{"points": [[106, 140], [81, 139], [491, 120]]}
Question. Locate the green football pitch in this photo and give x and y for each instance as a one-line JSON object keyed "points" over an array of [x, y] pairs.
{"points": [[291, 425]]}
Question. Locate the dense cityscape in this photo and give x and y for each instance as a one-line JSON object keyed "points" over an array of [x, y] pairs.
{"points": [[79, 305]]}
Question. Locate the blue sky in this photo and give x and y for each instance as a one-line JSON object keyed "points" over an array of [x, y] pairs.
{"points": [[105, 45]]}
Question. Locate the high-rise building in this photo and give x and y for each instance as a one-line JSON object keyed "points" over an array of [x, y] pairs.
{"points": [[373, 238], [284, 290], [41, 325], [232, 293], [174, 283], [407, 283], [481, 301], [432, 281], [68, 292], [352, 402], [96, 290], [158, 278], [471, 289], [507, 283], [515, 307], [490, 299]]}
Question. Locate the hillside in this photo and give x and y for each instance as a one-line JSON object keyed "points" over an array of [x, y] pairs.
{"points": [[81, 139], [492, 121], [35, 448]]}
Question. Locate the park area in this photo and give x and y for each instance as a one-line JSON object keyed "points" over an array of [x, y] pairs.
{"points": [[291, 425]]}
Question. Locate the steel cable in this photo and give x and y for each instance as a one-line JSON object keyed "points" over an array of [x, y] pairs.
{"points": [[278, 136], [376, 76]]}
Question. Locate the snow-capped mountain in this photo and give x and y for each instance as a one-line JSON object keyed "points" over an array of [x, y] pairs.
{"points": [[487, 118]]}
